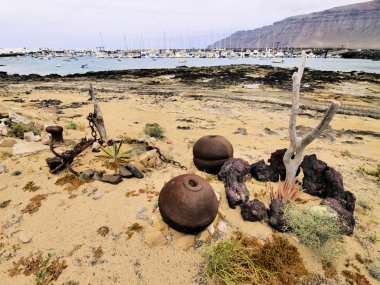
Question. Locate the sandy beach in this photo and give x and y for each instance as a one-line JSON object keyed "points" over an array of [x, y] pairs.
{"points": [[188, 103]]}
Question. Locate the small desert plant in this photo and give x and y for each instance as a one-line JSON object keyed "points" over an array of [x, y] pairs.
{"points": [[72, 126], [114, 153], [317, 227], [285, 192], [154, 130], [375, 172], [374, 271], [247, 260], [41, 276], [19, 129]]}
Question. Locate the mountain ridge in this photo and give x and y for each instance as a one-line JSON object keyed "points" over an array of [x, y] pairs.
{"points": [[350, 26]]}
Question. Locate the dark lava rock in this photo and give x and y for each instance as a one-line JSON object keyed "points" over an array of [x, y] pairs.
{"points": [[263, 172], [276, 161], [314, 180], [233, 173], [253, 211], [346, 217], [111, 178], [49, 102], [334, 183], [276, 215], [124, 172], [183, 127], [133, 169], [53, 162]]}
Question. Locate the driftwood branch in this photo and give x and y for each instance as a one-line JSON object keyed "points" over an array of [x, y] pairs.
{"points": [[294, 154], [97, 115]]}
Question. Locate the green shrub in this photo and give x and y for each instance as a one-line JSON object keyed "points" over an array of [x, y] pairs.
{"points": [[375, 172], [374, 271], [317, 227], [154, 130], [19, 129], [72, 126], [246, 260]]}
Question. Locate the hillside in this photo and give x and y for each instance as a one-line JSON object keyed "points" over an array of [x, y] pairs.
{"points": [[355, 26]]}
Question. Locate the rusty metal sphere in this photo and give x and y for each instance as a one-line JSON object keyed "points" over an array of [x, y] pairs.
{"points": [[188, 203], [56, 133], [211, 152]]}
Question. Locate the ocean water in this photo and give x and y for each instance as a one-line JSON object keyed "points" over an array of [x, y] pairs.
{"points": [[29, 65]]}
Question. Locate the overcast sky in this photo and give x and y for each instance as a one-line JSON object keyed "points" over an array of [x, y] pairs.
{"points": [[140, 23]]}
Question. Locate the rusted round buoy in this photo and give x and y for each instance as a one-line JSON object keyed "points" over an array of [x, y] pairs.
{"points": [[188, 203], [211, 152], [56, 133]]}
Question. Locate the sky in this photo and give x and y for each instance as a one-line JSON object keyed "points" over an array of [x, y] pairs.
{"points": [[122, 24]]}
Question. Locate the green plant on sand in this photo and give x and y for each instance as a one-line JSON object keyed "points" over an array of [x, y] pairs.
{"points": [[317, 227], [375, 172], [154, 130], [19, 129], [115, 154], [247, 260]]}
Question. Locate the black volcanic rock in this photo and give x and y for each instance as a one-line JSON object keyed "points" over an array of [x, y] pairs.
{"points": [[276, 215], [314, 170], [253, 211], [347, 219], [233, 173]]}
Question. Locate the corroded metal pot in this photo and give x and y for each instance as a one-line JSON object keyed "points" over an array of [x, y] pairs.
{"points": [[188, 203], [211, 152]]}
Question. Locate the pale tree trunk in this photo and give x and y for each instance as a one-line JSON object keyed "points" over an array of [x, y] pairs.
{"points": [[294, 154], [97, 115]]}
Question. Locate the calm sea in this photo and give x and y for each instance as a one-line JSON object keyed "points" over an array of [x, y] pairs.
{"points": [[28, 65]]}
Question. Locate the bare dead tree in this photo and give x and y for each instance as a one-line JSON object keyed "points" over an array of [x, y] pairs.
{"points": [[294, 154], [97, 116]]}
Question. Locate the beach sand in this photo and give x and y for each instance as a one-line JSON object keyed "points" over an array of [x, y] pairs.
{"points": [[66, 223]]}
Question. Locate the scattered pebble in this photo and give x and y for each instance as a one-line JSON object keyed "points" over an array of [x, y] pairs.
{"points": [[141, 214], [185, 242], [241, 131], [2, 168], [155, 238], [25, 236], [16, 173], [222, 226], [97, 196]]}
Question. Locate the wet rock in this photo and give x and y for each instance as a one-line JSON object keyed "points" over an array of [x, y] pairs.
{"points": [[155, 238], [53, 162], [263, 172], [111, 178], [25, 236], [134, 170], [241, 131], [233, 173], [276, 215], [314, 180], [253, 211], [185, 242], [124, 172], [346, 217]]}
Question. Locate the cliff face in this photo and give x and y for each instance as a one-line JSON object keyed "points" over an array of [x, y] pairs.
{"points": [[355, 26]]}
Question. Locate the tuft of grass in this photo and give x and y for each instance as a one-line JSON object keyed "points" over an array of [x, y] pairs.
{"points": [[18, 130], [246, 260], [154, 130], [372, 172], [317, 227], [374, 271]]}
